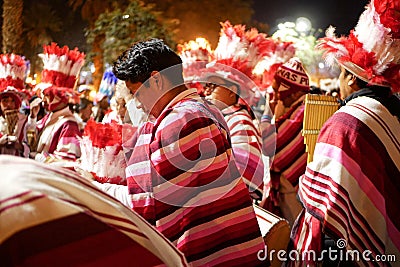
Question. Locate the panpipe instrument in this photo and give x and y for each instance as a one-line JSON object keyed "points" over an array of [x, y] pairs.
{"points": [[11, 117], [318, 109]]}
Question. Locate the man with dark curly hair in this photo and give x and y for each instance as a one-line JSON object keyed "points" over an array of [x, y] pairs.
{"points": [[181, 174]]}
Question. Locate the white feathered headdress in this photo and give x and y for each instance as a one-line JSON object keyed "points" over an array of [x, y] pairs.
{"points": [[236, 55], [195, 54], [61, 67], [372, 50], [102, 153]]}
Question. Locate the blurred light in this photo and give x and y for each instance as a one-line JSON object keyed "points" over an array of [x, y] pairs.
{"points": [[92, 68], [33, 82], [84, 73], [92, 94], [125, 16], [303, 24], [28, 80], [321, 65], [286, 25]]}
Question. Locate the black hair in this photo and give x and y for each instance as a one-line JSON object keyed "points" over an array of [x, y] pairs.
{"points": [[316, 90], [84, 102], [136, 63]]}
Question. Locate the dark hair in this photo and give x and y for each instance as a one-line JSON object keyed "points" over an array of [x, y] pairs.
{"points": [[84, 102], [136, 63], [315, 90]]}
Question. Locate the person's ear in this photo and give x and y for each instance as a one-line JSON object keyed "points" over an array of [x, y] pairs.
{"points": [[352, 80], [156, 79]]}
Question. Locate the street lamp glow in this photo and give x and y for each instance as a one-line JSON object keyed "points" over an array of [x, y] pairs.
{"points": [[303, 25]]}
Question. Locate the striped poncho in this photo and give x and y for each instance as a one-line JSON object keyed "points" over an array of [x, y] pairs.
{"points": [[246, 146], [284, 143], [57, 136], [351, 190], [182, 177]]}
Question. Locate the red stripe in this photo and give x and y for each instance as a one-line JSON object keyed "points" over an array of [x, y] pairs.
{"points": [[4, 200], [21, 203], [346, 209], [357, 141]]}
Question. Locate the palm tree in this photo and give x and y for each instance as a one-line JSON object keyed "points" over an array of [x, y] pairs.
{"points": [[12, 26], [41, 23]]}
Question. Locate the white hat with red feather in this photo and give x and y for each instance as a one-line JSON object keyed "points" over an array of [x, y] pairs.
{"points": [[279, 52], [237, 53], [61, 67], [12, 76], [195, 54], [372, 49]]}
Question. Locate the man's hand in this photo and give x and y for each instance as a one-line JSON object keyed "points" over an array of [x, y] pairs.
{"points": [[35, 107], [4, 139]]}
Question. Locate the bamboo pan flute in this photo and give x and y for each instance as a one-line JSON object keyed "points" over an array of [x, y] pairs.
{"points": [[318, 109], [11, 117]]}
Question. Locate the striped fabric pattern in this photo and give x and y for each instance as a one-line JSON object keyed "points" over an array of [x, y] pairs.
{"points": [[351, 189], [247, 148], [284, 144], [52, 217], [183, 179], [290, 157], [59, 133]]}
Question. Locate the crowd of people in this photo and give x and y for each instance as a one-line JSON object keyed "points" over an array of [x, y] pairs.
{"points": [[191, 141]]}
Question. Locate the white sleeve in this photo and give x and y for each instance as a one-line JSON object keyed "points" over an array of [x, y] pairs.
{"points": [[120, 192]]}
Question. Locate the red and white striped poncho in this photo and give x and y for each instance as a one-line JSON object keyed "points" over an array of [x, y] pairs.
{"points": [[246, 146], [58, 135], [182, 177], [53, 217], [351, 190], [284, 143]]}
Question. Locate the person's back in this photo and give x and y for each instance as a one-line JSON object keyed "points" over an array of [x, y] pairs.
{"points": [[181, 173], [283, 139], [349, 189], [245, 135], [198, 199]]}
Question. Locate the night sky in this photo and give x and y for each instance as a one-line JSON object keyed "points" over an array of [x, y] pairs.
{"points": [[343, 14]]}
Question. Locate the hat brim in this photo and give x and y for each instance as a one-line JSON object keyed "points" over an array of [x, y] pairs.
{"points": [[359, 72], [207, 76]]}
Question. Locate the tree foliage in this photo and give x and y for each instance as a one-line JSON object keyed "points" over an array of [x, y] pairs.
{"points": [[12, 26], [122, 27], [41, 22]]}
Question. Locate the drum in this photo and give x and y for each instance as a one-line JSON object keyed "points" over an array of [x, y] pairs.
{"points": [[275, 231]]}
